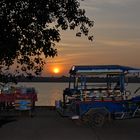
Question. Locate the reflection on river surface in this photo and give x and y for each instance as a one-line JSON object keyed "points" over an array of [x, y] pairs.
{"points": [[49, 92]]}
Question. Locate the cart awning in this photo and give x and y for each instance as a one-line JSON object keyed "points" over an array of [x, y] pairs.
{"points": [[103, 69]]}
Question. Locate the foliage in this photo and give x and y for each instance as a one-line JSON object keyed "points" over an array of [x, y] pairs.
{"points": [[29, 30]]}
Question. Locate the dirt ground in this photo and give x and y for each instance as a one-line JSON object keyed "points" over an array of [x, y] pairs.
{"points": [[49, 125]]}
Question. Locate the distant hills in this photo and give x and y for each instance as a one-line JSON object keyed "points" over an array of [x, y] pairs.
{"points": [[66, 79], [44, 79]]}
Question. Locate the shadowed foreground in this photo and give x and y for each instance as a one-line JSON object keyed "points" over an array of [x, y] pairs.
{"points": [[47, 124]]}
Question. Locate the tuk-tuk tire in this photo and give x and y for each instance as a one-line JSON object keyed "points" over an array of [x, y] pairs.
{"points": [[97, 119]]}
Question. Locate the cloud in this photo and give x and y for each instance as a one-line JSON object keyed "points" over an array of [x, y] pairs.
{"points": [[125, 10], [118, 43], [92, 3]]}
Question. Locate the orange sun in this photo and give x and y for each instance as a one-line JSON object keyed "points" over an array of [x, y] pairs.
{"points": [[56, 70]]}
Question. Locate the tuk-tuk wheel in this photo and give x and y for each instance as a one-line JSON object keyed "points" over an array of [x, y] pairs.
{"points": [[97, 120]]}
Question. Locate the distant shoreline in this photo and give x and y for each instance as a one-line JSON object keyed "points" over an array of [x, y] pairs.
{"points": [[64, 79]]}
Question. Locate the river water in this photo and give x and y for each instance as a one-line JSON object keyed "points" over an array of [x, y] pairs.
{"points": [[48, 92]]}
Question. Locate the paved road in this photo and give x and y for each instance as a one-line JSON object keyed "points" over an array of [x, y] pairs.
{"points": [[48, 125]]}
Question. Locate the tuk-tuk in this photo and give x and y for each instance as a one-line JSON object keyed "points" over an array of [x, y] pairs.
{"points": [[97, 94]]}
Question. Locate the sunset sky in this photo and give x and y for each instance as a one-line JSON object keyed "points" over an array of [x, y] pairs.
{"points": [[116, 37]]}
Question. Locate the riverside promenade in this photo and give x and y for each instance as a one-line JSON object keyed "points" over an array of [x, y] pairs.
{"points": [[47, 124]]}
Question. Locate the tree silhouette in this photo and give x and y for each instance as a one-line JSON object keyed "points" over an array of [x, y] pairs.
{"points": [[29, 30]]}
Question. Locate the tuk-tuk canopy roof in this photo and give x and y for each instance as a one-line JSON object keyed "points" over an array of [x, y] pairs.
{"points": [[103, 69]]}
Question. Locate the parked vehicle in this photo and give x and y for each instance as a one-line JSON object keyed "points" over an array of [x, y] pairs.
{"points": [[97, 94], [16, 99]]}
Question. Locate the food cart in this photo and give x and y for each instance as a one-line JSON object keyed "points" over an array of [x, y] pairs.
{"points": [[97, 94], [17, 99]]}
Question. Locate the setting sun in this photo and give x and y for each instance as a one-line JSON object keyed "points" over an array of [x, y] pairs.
{"points": [[56, 70]]}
